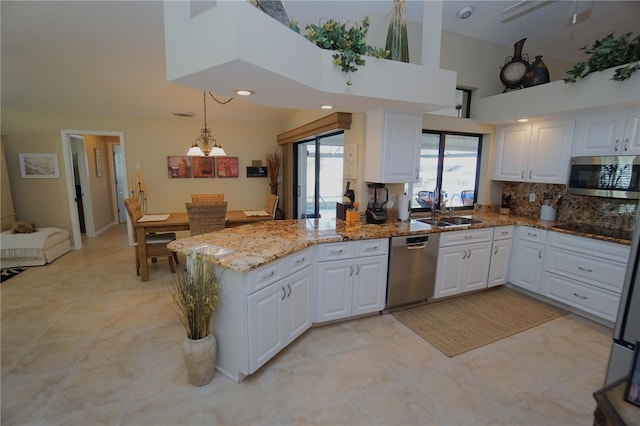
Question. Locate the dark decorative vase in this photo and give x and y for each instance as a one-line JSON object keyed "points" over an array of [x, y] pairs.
{"points": [[538, 73]]}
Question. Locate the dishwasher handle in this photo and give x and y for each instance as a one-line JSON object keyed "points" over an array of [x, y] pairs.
{"points": [[416, 246]]}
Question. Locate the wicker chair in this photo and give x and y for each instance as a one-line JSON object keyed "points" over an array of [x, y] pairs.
{"points": [[156, 242], [272, 205], [206, 198], [206, 217]]}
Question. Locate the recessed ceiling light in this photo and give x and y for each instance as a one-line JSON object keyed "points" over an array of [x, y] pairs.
{"points": [[244, 92], [326, 106], [522, 120], [465, 12]]}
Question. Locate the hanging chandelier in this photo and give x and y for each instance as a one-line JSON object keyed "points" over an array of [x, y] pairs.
{"points": [[205, 145]]}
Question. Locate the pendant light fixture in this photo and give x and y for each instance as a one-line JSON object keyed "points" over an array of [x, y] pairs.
{"points": [[205, 145]]}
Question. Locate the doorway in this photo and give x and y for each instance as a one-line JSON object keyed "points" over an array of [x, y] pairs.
{"points": [[93, 211], [318, 165]]}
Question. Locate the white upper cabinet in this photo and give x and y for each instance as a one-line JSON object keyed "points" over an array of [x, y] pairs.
{"points": [[614, 132], [540, 152], [392, 153]]}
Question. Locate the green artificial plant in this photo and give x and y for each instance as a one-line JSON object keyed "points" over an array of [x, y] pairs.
{"points": [[349, 44], [609, 52]]}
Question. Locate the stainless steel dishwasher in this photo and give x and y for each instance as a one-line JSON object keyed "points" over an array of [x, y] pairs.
{"points": [[412, 269]]}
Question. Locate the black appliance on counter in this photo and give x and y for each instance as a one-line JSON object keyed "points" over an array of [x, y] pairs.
{"points": [[378, 198]]}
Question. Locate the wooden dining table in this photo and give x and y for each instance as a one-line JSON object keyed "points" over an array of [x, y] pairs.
{"points": [[175, 222], [239, 217]]}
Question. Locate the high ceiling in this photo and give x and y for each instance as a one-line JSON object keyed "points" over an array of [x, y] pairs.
{"points": [[107, 57]]}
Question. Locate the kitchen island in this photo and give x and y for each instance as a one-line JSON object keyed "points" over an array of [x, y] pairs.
{"points": [[275, 285]]}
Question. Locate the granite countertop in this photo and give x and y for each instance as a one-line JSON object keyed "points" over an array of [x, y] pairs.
{"points": [[257, 244]]}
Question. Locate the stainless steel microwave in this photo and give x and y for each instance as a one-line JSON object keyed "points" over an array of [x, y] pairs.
{"points": [[612, 176]]}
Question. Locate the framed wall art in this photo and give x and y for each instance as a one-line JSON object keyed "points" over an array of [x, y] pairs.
{"points": [[179, 166], [39, 166], [98, 155], [227, 166], [204, 167]]}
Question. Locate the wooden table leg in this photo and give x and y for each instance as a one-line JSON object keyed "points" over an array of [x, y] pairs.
{"points": [[142, 254]]}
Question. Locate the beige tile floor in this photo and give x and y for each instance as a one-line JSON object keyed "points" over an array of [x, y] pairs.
{"points": [[84, 342]]}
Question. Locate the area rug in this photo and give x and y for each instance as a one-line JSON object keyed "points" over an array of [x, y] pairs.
{"points": [[7, 273], [460, 324]]}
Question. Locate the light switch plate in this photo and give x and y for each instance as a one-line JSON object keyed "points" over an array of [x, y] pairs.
{"points": [[532, 197]]}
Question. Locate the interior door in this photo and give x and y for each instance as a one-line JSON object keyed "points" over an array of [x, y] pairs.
{"points": [[120, 192]]}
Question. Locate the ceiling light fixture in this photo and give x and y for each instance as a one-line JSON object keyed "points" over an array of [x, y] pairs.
{"points": [[465, 12], [326, 106], [205, 145], [244, 92], [522, 120]]}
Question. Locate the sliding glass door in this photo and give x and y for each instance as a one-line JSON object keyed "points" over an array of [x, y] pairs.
{"points": [[318, 176]]}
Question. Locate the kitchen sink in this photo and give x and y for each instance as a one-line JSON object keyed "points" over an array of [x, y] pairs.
{"points": [[434, 222], [460, 220]]}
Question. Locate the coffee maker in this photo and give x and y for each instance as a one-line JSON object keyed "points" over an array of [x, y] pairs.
{"points": [[378, 197]]}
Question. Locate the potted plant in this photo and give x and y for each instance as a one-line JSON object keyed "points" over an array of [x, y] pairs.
{"points": [[349, 44], [606, 53], [196, 294]]}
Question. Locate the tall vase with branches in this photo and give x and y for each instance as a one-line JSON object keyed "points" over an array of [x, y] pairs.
{"points": [[196, 294], [273, 169]]}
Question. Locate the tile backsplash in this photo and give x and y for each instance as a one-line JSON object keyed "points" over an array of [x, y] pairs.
{"points": [[609, 212]]}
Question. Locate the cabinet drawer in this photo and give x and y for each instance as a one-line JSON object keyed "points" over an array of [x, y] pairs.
{"points": [[371, 247], [335, 251], [264, 275], [531, 234], [595, 301], [589, 246], [465, 237], [297, 261], [598, 272], [503, 232]]}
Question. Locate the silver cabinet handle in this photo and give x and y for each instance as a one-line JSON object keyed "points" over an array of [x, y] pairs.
{"points": [[531, 234], [268, 275], [371, 248], [351, 271], [495, 250], [469, 257], [539, 253], [464, 254], [626, 144], [417, 174], [336, 251], [616, 147], [530, 172], [299, 261], [522, 175], [504, 232], [468, 237], [284, 293], [579, 296], [357, 269], [289, 287], [585, 269]]}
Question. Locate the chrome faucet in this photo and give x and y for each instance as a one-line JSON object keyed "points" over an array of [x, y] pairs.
{"points": [[451, 206]]}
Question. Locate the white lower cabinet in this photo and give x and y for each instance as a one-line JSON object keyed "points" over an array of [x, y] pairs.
{"points": [[463, 261], [351, 278], [500, 255], [527, 258], [585, 273], [277, 315]]}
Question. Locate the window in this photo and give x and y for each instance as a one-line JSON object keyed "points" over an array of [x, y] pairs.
{"points": [[318, 173], [449, 167]]}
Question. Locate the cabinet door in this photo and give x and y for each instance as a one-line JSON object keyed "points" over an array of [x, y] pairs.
{"points": [[526, 265], [512, 150], [449, 271], [334, 288], [550, 152], [631, 139], [369, 285], [599, 134], [297, 315], [500, 259], [401, 148], [475, 267], [265, 319]]}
